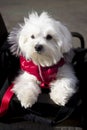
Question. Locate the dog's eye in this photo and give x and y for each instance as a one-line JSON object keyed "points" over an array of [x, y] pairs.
{"points": [[32, 36], [48, 37]]}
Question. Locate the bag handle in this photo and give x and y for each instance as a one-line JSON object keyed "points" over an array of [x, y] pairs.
{"points": [[80, 37]]}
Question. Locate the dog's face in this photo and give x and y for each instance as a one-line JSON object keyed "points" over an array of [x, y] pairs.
{"points": [[41, 39]]}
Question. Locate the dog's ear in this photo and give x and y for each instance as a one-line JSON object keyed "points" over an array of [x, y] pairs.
{"points": [[13, 39], [64, 37]]}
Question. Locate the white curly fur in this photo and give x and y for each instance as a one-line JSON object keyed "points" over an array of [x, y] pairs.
{"points": [[23, 41]]}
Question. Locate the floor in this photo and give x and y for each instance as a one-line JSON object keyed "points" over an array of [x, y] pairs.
{"points": [[73, 13]]}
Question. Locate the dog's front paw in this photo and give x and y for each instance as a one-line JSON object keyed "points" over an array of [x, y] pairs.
{"points": [[27, 95], [58, 96], [27, 99]]}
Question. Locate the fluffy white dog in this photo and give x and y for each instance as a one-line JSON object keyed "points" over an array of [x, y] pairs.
{"points": [[42, 44]]}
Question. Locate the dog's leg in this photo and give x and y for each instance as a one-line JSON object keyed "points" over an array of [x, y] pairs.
{"points": [[64, 87], [26, 89]]}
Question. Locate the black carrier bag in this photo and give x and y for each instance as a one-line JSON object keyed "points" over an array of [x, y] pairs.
{"points": [[44, 113]]}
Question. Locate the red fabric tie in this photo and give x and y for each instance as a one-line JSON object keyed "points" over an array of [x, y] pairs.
{"points": [[6, 100]]}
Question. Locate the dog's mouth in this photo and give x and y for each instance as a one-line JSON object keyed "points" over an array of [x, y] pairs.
{"points": [[42, 59], [44, 56]]}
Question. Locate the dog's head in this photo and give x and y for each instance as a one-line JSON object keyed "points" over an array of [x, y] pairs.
{"points": [[41, 39]]}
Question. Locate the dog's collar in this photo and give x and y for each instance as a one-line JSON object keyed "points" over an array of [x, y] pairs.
{"points": [[44, 74]]}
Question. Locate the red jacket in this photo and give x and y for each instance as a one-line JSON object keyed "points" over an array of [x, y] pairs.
{"points": [[44, 74]]}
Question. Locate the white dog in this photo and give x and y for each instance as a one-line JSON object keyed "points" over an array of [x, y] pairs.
{"points": [[42, 43]]}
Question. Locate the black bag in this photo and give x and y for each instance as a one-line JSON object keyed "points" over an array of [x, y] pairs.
{"points": [[44, 111]]}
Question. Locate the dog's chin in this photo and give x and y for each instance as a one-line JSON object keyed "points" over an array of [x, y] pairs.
{"points": [[44, 60]]}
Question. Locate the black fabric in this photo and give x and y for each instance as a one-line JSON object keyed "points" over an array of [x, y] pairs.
{"points": [[3, 31], [81, 72], [82, 76]]}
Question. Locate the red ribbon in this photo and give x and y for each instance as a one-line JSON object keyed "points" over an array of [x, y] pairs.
{"points": [[6, 100]]}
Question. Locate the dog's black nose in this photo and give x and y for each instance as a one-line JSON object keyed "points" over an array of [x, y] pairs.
{"points": [[38, 48]]}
